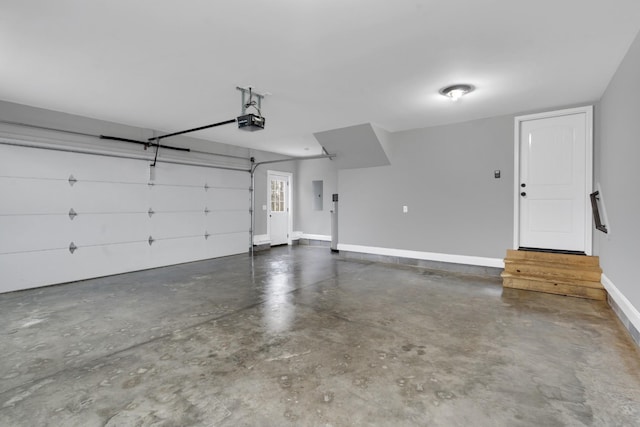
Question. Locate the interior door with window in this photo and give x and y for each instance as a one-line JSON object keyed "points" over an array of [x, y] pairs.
{"points": [[278, 221]]}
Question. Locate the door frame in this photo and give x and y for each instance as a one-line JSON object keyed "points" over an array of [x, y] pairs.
{"points": [[588, 112], [289, 176]]}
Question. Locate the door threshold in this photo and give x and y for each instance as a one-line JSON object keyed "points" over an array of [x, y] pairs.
{"points": [[552, 251]]}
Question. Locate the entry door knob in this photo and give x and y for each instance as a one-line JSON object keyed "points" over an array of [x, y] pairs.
{"points": [[523, 194], [523, 185]]}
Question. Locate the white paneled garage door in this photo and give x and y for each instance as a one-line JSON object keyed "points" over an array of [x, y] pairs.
{"points": [[68, 216]]}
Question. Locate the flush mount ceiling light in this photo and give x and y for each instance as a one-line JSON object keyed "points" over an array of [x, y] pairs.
{"points": [[456, 92]]}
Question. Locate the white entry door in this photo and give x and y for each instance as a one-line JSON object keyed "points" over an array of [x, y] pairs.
{"points": [[554, 180], [278, 221]]}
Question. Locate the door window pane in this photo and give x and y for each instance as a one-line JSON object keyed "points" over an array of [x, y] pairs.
{"points": [[277, 196]]}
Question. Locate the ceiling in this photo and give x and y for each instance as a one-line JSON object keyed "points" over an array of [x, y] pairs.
{"points": [[172, 65]]}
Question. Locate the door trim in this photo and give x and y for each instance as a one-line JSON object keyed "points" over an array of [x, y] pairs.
{"points": [[588, 112], [289, 176]]}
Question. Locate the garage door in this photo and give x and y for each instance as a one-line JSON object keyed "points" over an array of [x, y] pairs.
{"points": [[68, 216]]}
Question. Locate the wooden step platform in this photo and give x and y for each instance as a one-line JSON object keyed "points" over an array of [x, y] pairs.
{"points": [[561, 274]]}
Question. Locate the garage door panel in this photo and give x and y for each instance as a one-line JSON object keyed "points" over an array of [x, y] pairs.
{"points": [[90, 168], [174, 198], [30, 196], [228, 179], [220, 198], [175, 251], [39, 163], [92, 229], [173, 174], [178, 224], [29, 270], [227, 244], [34, 163], [110, 197], [34, 233], [110, 259], [227, 221]]}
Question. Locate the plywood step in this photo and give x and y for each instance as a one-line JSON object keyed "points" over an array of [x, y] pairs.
{"points": [[556, 281], [559, 288], [562, 274], [565, 259], [553, 270]]}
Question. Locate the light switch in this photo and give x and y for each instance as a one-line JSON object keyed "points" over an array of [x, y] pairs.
{"points": [[405, 209], [264, 207], [496, 174]]}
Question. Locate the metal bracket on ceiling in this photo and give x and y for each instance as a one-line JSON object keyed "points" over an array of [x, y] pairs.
{"points": [[248, 91]]}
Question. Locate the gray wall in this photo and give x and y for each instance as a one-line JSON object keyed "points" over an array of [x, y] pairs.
{"points": [[445, 176], [618, 173], [306, 219]]}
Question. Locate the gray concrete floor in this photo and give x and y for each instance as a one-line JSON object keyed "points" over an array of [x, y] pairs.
{"points": [[299, 336]]}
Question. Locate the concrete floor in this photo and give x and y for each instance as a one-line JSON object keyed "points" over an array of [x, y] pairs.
{"points": [[299, 336]]}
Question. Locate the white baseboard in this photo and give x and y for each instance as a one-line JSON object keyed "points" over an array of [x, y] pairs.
{"points": [[633, 315], [428, 256], [315, 237], [261, 239]]}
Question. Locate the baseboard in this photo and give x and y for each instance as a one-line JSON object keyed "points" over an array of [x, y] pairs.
{"points": [[261, 239], [426, 256], [627, 313], [321, 237], [264, 239]]}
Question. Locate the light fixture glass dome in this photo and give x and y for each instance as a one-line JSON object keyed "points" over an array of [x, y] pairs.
{"points": [[455, 92]]}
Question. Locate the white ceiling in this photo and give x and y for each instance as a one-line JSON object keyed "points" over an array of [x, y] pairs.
{"points": [[172, 65]]}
